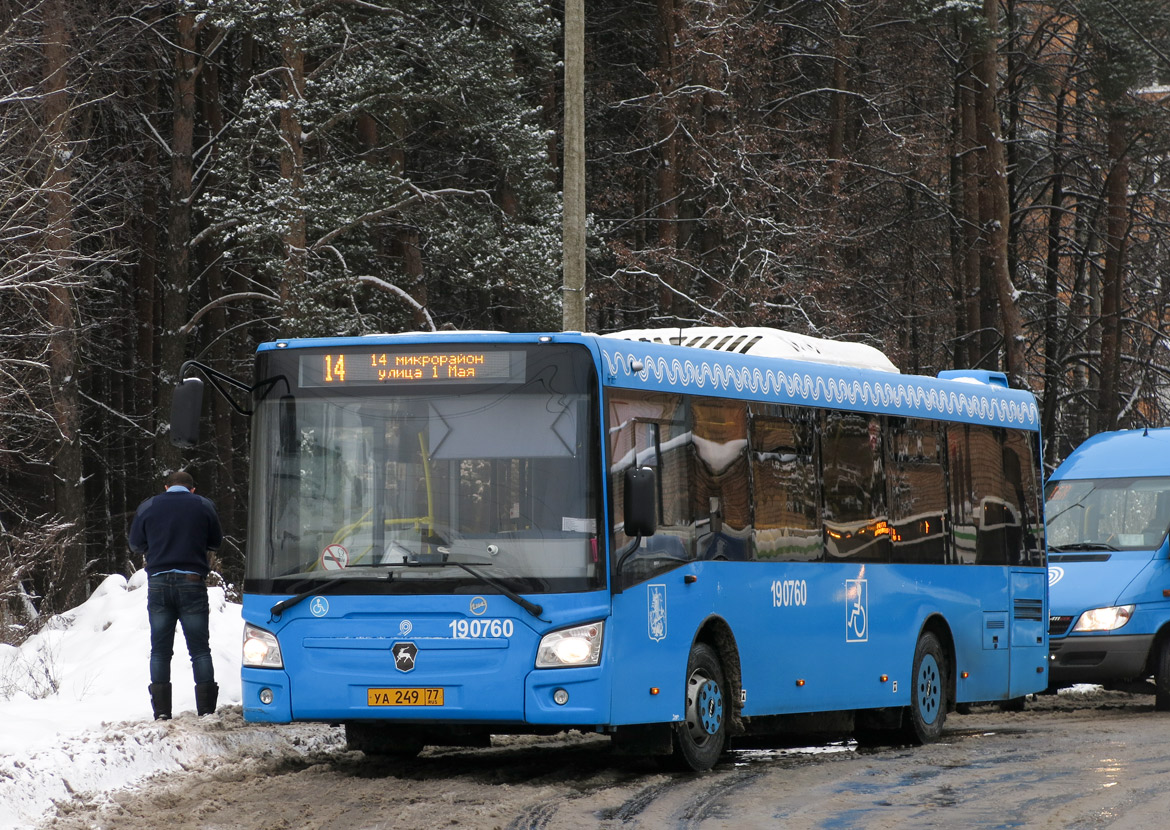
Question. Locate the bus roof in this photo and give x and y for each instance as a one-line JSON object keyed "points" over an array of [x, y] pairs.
{"points": [[767, 342], [1122, 454], [865, 384]]}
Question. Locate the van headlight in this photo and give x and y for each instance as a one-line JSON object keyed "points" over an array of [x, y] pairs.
{"points": [[261, 649], [1104, 619], [576, 646]]}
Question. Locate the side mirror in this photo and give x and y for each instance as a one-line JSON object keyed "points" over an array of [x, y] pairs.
{"points": [[641, 501], [185, 408]]}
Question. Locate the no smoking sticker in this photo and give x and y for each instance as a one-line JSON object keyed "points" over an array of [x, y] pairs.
{"points": [[334, 558]]}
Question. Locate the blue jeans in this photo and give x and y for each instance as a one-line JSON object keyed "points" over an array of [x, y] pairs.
{"points": [[178, 598]]}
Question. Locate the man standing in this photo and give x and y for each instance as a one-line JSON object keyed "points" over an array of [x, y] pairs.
{"points": [[175, 530]]}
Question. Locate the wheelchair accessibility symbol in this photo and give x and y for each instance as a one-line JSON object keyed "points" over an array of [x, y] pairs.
{"points": [[318, 606], [856, 611]]}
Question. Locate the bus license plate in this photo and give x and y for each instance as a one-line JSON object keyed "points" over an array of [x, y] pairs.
{"points": [[404, 697]]}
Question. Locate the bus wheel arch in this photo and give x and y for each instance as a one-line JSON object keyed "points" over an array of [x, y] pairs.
{"points": [[938, 626], [932, 689], [718, 635], [711, 699]]}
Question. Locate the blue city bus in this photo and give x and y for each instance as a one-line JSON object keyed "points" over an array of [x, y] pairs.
{"points": [[1109, 564], [674, 538]]}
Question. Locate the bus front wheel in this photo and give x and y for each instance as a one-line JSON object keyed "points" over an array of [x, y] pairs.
{"points": [[1162, 677], [702, 737], [928, 692]]}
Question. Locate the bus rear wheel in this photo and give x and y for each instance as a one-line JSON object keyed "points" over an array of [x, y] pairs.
{"points": [[928, 692], [701, 739]]}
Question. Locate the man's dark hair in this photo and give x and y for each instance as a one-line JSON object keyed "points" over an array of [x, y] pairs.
{"points": [[180, 478]]}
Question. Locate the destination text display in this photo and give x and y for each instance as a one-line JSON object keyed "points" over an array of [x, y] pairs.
{"points": [[371, 367]]}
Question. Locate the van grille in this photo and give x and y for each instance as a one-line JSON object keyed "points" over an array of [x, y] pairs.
{"points": [[1058, 625]]}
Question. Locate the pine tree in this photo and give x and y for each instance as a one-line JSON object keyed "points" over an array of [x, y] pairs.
{"points": [[388, 167]]}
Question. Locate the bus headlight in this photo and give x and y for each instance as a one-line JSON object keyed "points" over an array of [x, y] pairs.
{"points": [[576, 646], [261, 649], [1104, 619]]}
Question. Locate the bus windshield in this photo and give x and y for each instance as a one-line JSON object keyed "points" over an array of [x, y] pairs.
{"points": [[1107, 514], [428, 489]]}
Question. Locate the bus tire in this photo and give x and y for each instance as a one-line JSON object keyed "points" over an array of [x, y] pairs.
{"points": [[928, 691], [701, 738], [1162, 677]]}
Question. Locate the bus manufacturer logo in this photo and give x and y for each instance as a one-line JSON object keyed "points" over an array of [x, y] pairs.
{"points": [[856, 610], [656, 612], [405, 627], [404, 654], [1055, 574], [478, 606]]}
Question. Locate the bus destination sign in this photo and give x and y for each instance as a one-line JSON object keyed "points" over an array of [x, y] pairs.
{"points": [[370, 367]]}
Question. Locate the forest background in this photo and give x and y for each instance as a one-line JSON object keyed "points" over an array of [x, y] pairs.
{"points": [[962, 183]]}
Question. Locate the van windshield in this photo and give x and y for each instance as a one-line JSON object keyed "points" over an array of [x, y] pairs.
{"points": [[1107, 514]]}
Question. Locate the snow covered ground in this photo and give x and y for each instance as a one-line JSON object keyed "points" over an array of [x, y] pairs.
{"points": [[75, 716]]}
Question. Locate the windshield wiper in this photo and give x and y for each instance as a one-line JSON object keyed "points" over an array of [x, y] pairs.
{"points": [[531, 607], [1082, 546], [417, 561]]}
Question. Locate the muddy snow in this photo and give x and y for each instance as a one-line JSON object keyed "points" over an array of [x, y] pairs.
{"points": [[1096, 759]]}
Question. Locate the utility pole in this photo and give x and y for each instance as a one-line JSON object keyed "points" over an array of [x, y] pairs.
{"points": [[573, 207]]}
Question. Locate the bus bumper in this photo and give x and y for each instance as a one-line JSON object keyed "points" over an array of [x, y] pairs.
{"points": [[1098, 659], [567, 697], [256, 686]]}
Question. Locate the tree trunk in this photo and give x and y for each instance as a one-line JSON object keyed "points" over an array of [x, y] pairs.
{"points": [[996, 203], [838, 107], [977, 355], [1053, 331], [224, 417], [406, 244], [668, 141], [145, 292], [1117, 199], [292, 171], [172, 343], [69, 587]]}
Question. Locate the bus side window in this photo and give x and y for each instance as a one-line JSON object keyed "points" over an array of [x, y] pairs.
{"points": [[786, 490], [985, 500], [856, 525], [721, 495], [650, 429], [1020, 454], [917, 483]]}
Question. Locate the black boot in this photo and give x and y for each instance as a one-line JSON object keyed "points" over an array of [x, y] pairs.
{"points": [[160, 700], [205, 695]]}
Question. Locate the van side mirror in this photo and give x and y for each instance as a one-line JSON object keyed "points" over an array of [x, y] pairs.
{"points": [[641, 501], [186, 406]]}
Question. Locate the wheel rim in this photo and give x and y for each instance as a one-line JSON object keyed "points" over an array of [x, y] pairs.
{"points": [[704, 708], [928, 689]]}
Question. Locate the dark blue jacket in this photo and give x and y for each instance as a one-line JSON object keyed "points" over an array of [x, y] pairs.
{"points": [[175, 530]]}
